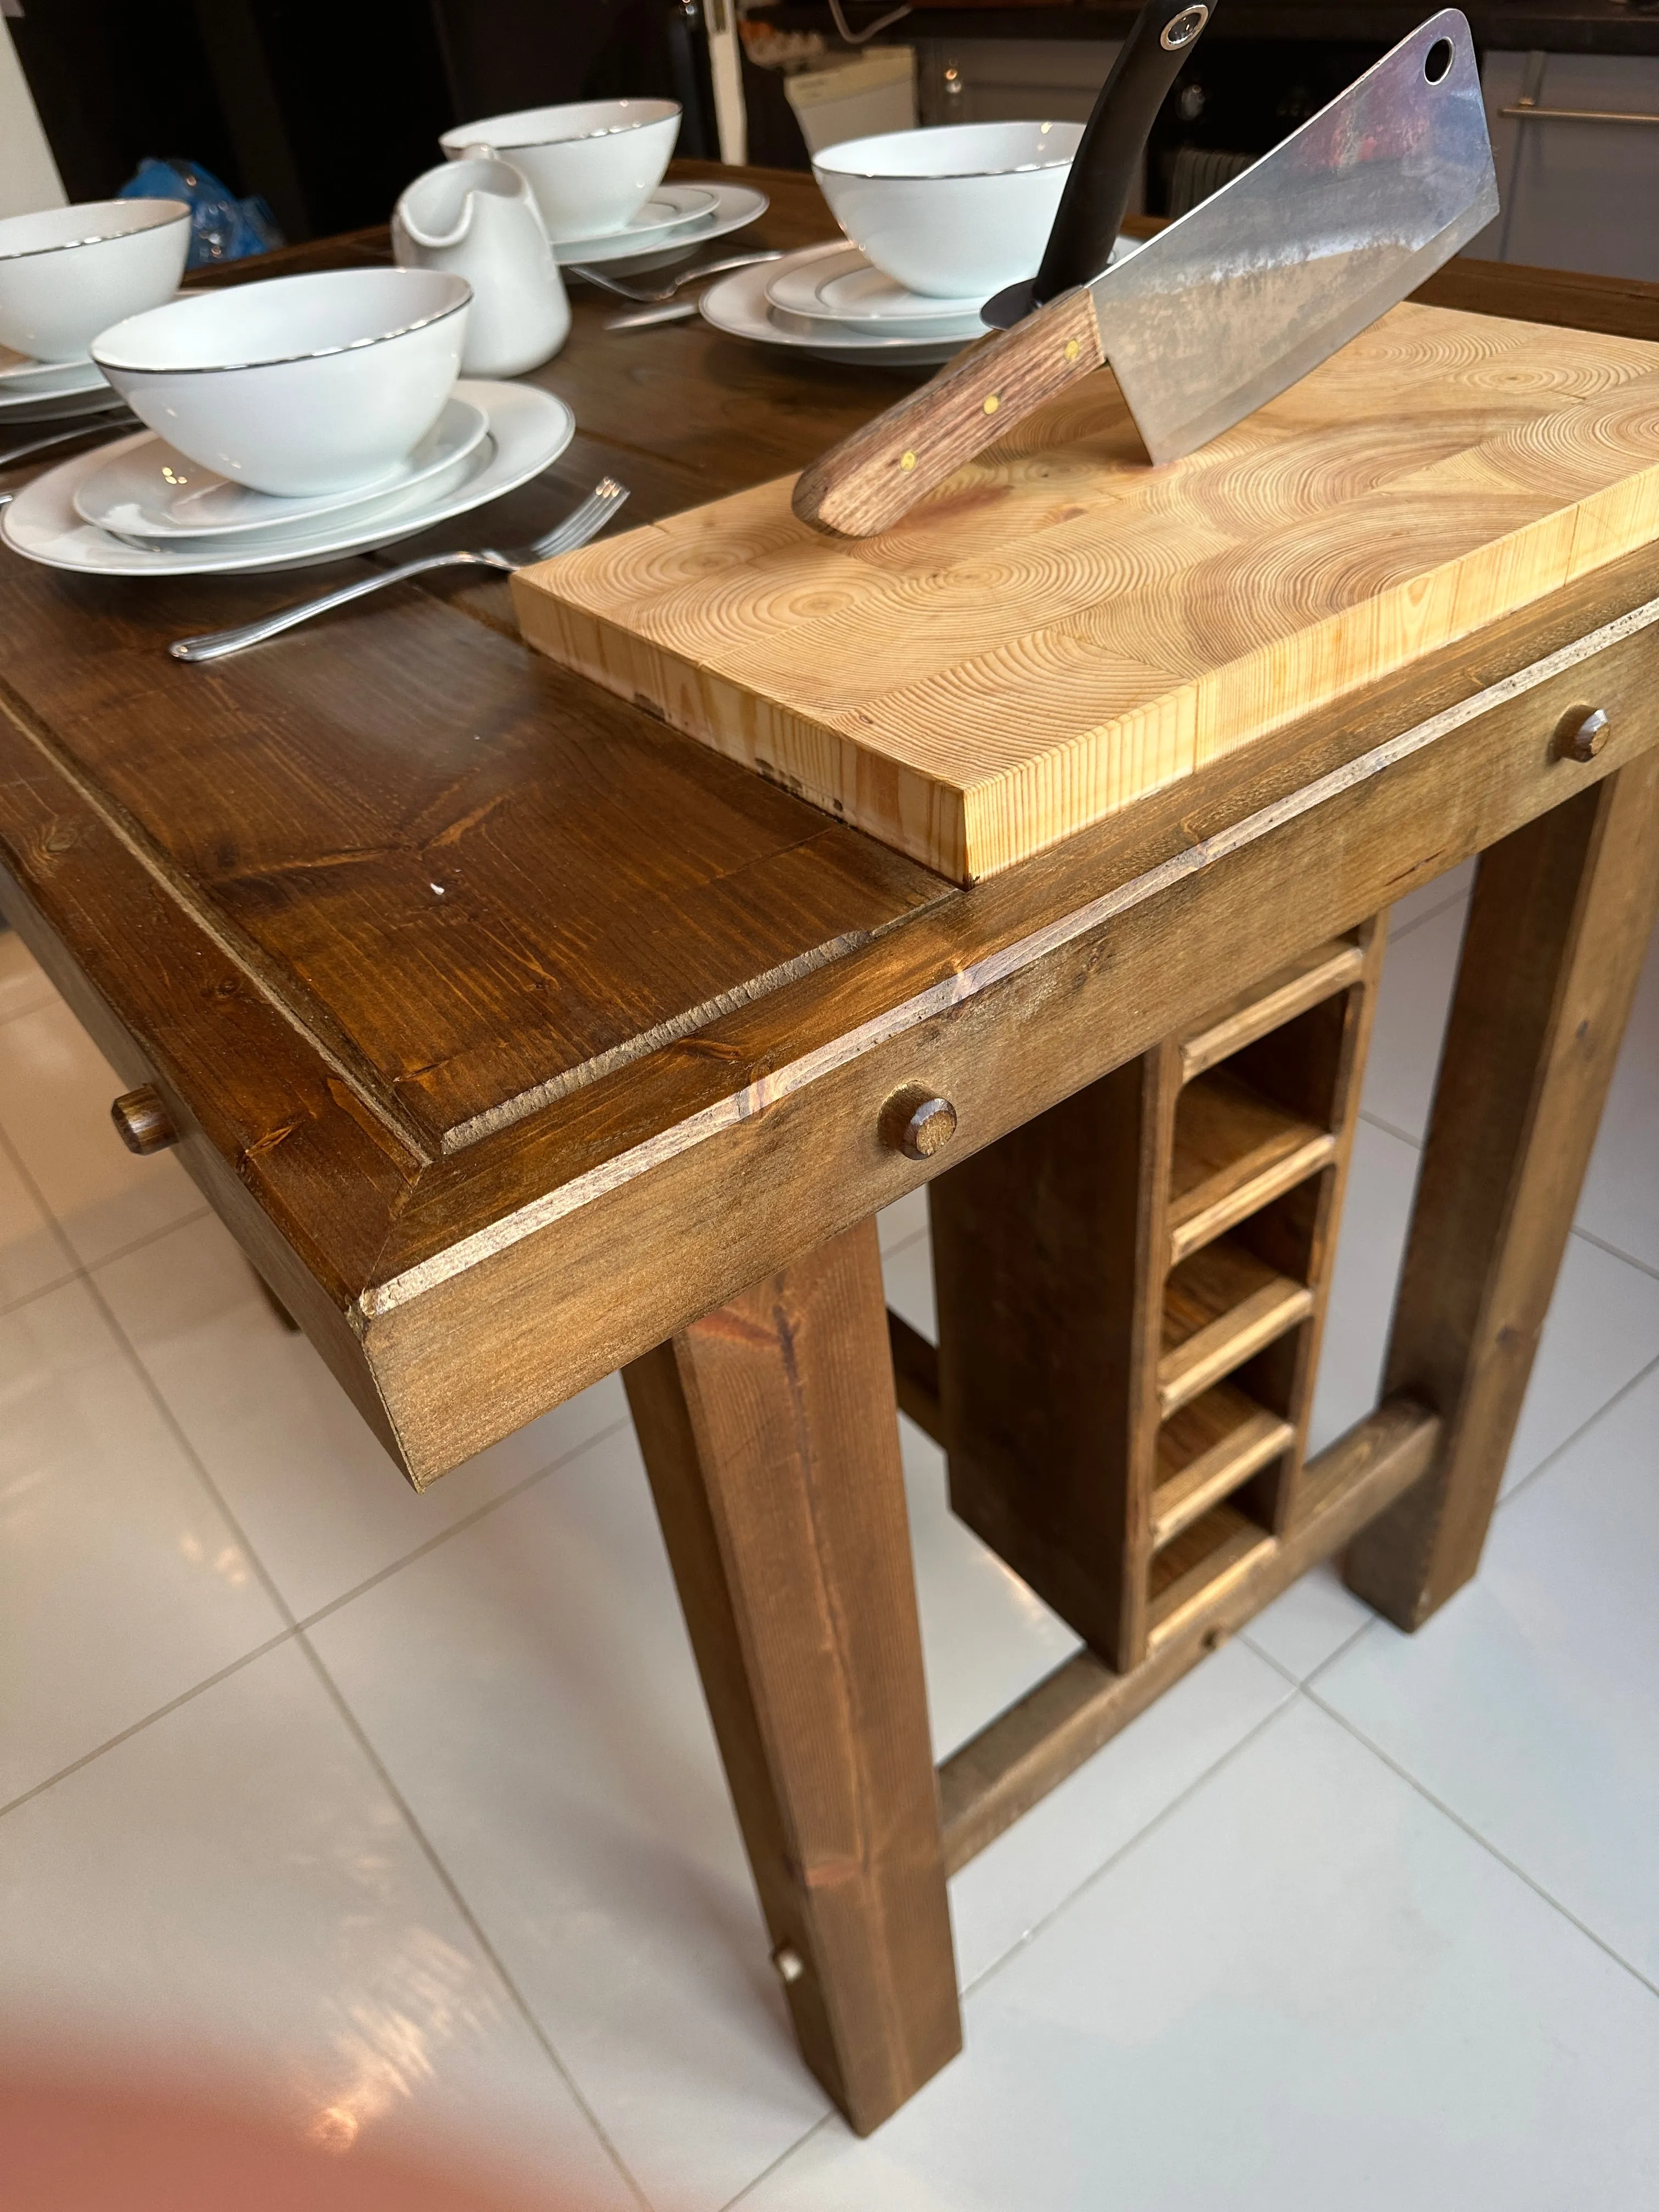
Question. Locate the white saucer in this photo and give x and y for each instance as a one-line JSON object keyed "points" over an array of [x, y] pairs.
{"points": [[529, 428], [668, 208], [733, 206], [149, 490], [54, 406], [738, 305], [21, 371], [54, 380], [845, 287]]}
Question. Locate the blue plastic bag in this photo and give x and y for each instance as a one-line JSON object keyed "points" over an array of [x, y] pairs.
{"points": [[221, 227]]}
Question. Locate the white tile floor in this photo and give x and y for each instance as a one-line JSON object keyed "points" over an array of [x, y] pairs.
{"points": [[405, 1813]]}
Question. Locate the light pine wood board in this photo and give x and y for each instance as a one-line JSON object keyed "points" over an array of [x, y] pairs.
{"points": [[1063, 628]]}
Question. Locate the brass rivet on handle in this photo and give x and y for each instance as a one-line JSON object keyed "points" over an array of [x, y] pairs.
{"points": [[907, 460], [992, 403], [788, 1963], [142, 1120], [917, 1123], [1072, 349], [1581, 734]]}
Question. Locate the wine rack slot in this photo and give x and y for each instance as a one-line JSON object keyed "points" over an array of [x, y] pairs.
{"points": [[1131, 1292]]}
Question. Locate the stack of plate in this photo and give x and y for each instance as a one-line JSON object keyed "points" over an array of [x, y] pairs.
{"points": [[139, 507], [673, 220], [830, 300], [41, 391]]}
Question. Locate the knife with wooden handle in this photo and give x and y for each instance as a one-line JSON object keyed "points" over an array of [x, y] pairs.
{"points": [[873, 477]]}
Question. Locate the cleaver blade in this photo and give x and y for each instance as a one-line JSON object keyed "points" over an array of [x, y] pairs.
{"points": [[1268, 276], [1224, 308]]}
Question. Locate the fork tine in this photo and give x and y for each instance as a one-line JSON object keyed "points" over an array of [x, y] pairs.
{"points": [[606, 496]]}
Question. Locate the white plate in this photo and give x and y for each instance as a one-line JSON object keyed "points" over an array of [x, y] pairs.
{"points": [[670, 207], [846, 288], [52, 406], [150, 490], [733, 206], [737, 306], [55, 379], [21, 371], [528, 429]]}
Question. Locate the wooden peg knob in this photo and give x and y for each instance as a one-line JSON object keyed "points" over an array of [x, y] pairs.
{"points": [[1581, 734], [142, 1121], [917, 1123]]}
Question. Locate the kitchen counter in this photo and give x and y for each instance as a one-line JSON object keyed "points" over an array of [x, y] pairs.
{"points": [[1574, 27]]}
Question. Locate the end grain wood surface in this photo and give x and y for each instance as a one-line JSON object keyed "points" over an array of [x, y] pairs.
{"points": [[1062, 627]]}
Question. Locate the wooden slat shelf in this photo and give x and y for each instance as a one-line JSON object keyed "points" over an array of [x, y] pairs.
{"points": [[1234, 1153], [1016, 1760], [1206, 1452], [1279, 998], [1131, 1293], [1220, 1307], [1199, 1567]]}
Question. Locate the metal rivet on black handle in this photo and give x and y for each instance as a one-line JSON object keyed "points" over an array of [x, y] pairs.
{"points": [[1181, 30]]}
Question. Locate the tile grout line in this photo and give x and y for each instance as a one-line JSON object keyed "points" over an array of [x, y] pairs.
{"points": [[467, 1521], [201, 1212], [152, 1391], [294, 1633], [1132, 1843], [1291, 1686], [1390, 1129], [309, 1621], [137, 1726], [1617, 1252], [1476, 1837], [452, 1889], [56, 1227], [77, 1267], [43, 1291], [782, 2158], [335, 1697], [84, 1274], [1409, 928], [1508, 1497], [1301, 1682]]}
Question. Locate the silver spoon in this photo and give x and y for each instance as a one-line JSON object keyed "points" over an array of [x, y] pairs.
{"points": [[582, 522], [645, 299]]}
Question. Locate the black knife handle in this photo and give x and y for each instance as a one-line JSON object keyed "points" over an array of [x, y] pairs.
{"points": [[1104, 168]]}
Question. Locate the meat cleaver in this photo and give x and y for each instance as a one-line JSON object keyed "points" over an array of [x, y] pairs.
{"points": [[1222, 310]]}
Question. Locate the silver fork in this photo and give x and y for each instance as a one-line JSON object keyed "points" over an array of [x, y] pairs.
{"points": [[645, 299], [584, 522]]}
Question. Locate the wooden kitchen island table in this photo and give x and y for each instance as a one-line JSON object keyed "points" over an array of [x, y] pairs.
{"points": [[519, 1039]]}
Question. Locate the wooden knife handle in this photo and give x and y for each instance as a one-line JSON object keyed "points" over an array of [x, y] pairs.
{"points": [[864, 484]]}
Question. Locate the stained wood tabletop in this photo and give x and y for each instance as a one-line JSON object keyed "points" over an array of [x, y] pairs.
{"points": [[510, 1030]]}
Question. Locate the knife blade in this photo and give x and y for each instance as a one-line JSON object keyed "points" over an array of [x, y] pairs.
{"points": [[1225, 308], [1104, 168]]}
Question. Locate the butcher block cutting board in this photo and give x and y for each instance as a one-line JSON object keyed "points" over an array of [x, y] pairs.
{"points": [[1062, 627]]}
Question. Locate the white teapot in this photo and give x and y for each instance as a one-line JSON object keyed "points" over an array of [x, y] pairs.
{"points": [[479, 220]]}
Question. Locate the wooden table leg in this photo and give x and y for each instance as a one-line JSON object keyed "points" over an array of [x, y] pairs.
{"points": [[771, 1438], [1557, 929]]}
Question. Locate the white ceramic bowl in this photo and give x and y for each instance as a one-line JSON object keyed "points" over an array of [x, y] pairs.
{"points": [[70, 272], [298, 383], [956, 212], [592, 166]]}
